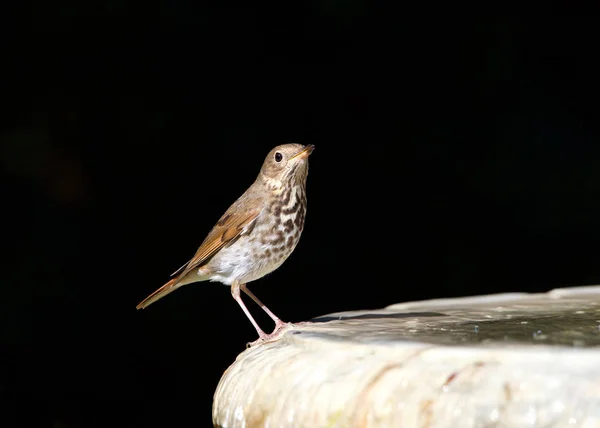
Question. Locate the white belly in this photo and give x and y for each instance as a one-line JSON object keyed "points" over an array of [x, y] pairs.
{"points": [[247, 261]]}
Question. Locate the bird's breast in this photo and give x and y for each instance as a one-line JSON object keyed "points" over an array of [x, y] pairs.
{"points": [[273, 238]]}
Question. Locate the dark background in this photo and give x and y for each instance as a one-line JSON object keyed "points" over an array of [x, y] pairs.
{"points": [[454, 156]]}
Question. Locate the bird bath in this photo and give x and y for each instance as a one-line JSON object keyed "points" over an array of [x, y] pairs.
{"points": [[506, 360]]}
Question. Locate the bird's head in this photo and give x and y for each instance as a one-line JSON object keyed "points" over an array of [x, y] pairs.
{"points": [[287, 163]]}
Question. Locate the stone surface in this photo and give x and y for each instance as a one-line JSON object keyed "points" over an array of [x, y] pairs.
{"points": [[508, 360]]}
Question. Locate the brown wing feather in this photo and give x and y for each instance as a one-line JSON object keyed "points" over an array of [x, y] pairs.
{"points": [[231, 225], [228, 228]]}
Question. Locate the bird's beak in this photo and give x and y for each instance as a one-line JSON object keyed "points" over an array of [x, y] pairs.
{"points": [[305, 152]]}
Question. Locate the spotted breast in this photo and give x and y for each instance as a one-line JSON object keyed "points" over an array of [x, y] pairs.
{"points": [[273, 238]]}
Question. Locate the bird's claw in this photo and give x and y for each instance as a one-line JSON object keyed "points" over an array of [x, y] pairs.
{"points": [[280, 328]]}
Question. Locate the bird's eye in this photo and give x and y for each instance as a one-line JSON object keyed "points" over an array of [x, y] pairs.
{"points": [[278, 157]]}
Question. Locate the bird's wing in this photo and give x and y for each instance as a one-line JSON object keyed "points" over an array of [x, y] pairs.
{"points": [[231, 225]]}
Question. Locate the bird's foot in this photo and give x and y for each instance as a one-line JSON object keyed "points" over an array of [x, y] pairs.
{"points": [[278, 331]]}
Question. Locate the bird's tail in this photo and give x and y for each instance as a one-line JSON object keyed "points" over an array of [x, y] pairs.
{"points": [[169, 287]]}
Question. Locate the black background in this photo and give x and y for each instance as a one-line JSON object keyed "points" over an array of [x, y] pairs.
{"points": [[454, 156]]}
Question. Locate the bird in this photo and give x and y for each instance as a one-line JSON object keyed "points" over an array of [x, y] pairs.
{"points": [[256, 234]]}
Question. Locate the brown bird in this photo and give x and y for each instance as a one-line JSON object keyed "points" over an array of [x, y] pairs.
{"points": [[255, 235]]}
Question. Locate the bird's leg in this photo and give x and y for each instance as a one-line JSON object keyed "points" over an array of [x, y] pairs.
{"points": [[235, 292], [278, 323]]}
